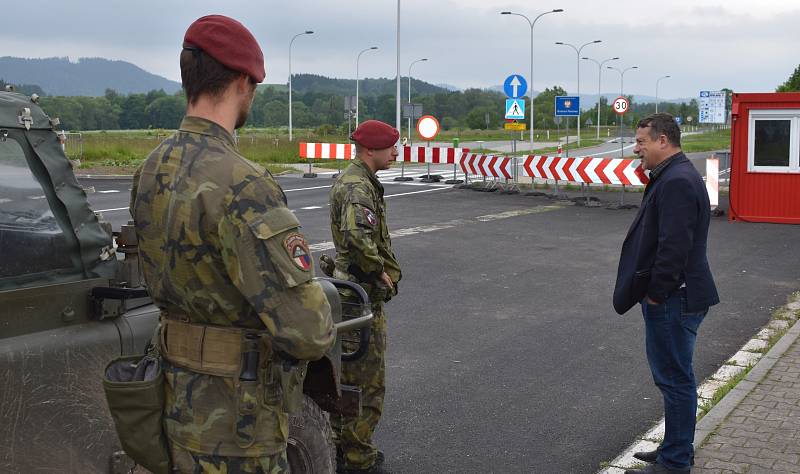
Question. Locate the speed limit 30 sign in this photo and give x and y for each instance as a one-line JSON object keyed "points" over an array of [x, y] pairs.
{"points": [[620, 105]]}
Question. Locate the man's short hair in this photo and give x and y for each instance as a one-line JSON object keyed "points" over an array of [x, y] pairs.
{"points": [[662, 124], [203, 75]]}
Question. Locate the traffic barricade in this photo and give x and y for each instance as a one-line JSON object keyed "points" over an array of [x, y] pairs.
{"points": [[325, 151], [431, 155], [586, 170], [488, 166]]}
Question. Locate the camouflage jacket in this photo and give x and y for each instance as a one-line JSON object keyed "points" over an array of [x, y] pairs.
{"points": [[218, 244], [358, 225]]}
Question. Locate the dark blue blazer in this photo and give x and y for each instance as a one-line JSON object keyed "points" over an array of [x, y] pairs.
{"points": [[666, 243]]}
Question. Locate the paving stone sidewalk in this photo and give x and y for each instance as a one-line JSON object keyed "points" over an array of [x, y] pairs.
{"points": [[762, 433]]}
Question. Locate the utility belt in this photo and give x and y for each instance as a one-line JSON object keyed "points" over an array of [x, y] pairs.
{"points": [[242, 354], [214, 350]]}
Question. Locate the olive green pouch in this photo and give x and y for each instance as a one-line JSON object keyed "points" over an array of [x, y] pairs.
{"points": [[134, 387]]}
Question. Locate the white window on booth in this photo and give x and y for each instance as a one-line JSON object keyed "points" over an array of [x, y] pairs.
{"points": [[774, 141]]}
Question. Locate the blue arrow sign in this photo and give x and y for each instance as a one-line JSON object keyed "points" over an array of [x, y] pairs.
{"points": [[515, 86], [515, 109], [567, 106]]}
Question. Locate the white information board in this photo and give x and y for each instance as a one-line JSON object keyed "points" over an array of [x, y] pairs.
{"points": [[712, 107]]}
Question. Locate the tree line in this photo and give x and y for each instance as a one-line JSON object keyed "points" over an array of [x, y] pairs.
{"points": [[469, 109], [318, 102]]}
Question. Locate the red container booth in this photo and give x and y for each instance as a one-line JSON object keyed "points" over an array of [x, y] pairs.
{"points": [[765, 158]]}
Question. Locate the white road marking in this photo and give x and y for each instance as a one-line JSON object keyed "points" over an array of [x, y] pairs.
{"points": [[35, 197], [112, 210], [5, 200], [307, 189], [415, 192], [109, 191], [322, 246], [310, 207]]}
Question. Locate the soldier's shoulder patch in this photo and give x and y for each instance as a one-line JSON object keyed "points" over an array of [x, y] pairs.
{"points": [[297, 248], [370, 216]]}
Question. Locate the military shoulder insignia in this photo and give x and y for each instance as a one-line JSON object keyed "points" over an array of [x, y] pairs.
{"points": [[371, 218], [297, 248]]}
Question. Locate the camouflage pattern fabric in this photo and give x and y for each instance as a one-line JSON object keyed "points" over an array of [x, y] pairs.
{"points": [[354, 434], [184, 461], [364, 251], [218, 245]]}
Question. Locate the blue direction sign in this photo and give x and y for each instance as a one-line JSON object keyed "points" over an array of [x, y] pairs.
{"points": [[515, 86], [567, 106], [515, 109], [679, 120]]}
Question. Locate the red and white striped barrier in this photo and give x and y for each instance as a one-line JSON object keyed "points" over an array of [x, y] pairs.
{"points": [[586, 170], [436, 155], [486, 165], [327, 151]]}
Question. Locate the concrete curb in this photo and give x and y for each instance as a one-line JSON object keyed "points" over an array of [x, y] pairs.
{"points": [[747, 357]]}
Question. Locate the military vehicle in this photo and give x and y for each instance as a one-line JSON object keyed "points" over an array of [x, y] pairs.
{"points": [[72, 299]]}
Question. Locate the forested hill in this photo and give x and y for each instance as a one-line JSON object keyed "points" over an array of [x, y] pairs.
{"points": [[367, 87], [85, 77]]}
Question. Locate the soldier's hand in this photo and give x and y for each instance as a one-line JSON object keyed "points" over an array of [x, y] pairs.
{"points": [[386, 280]]}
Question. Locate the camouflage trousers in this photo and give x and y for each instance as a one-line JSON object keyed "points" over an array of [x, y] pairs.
{"points": [[354, 434], [186, 462]]}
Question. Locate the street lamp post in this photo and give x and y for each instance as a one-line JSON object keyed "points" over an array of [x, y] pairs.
{"points": [[621, 90], [657, 81], [358, 58], [410, 140], [309, 32], [578, 62], [599, 78], [622, 76], [530, 85]]}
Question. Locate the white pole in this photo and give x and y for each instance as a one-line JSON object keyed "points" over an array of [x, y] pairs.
{"points": [[397, 94], [309, 32], [657, 81], [410, 141], [358, 77]]}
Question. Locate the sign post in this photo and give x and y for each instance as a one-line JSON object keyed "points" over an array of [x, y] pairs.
{"points": [[428, 128], [620, 106], [567, 106], [409, 111]]}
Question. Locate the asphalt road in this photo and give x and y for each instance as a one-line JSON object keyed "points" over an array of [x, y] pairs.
{"points": [[505, 354]]}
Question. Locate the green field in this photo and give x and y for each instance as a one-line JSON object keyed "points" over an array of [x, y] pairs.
{"points": [[126, 149]]}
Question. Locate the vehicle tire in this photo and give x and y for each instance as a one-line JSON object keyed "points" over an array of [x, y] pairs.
{"points": [[310, 449]]}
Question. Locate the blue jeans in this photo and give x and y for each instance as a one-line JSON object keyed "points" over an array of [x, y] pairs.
{"points": [[671, 332]]}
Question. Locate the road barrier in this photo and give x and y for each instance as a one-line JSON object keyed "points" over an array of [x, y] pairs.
{"points": [[488, 166], [586, 170], [327, 151]]}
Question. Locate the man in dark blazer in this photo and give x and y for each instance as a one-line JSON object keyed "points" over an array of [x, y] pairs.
{"points": [[663, 267]]}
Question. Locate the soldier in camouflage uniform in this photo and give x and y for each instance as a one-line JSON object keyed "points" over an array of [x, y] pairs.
{"points": [[224, 260], [364, 254]]}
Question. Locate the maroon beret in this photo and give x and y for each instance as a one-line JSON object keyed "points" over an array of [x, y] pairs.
{"points": [[375, 134], [229, 42]]}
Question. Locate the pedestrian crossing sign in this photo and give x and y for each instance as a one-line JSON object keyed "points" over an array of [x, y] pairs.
{"points": [[515, 109]]}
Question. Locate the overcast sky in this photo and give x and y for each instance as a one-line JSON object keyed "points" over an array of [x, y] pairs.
{"points": [[703, 44]]}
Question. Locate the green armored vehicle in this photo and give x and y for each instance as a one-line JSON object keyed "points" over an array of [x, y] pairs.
{"points": [[72, 299]]}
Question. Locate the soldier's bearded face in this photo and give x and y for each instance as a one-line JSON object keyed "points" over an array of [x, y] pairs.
{"points": [[244, 109]]}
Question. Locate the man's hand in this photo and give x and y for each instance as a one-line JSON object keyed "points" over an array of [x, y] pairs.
{"points": [[386, 280]]}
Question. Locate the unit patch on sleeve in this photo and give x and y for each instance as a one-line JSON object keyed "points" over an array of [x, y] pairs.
{"points": [[370, 216], [297, 248]]}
